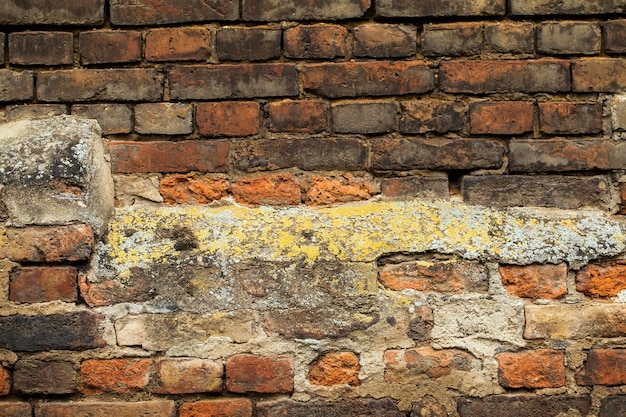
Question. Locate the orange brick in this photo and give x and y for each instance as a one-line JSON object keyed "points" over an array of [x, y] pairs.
{"points": [[501, 118], [335, 368], [330, 190], [178, 44], [535, 281], [192, 189], [186, 376], [236, 407], [603, 367], [267, 375], [270, 189], [315, 41], [5, 381], [228, 118], [440, 276], [602, 280], [100, 376], [543, 368]]}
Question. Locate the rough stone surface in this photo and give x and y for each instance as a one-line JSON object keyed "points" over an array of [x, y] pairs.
{"points": [[187, 376], [560, 322]]}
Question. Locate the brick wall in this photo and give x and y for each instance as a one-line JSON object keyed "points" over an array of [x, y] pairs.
{"points": [[322, 208]]}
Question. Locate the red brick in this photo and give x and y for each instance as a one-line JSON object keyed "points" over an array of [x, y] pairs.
{"points": [[164, 118], [598, 75], [603, 367], [34, 111], [452, 39], [98, 294], [535, 281], [248, 43], [112, 118], [48, 243], [436, 154], [228, 118], [15, 409], [227, 407], [192, 189], [415, 186], [39, 285], [99, 376], [438, 276], [615, 36], [411, 8], [441, 116], [107, 46], [402, 365], [384, 41], [47, 12], [339, 189], [271, 189], [209, 82], [178, 44], [570, 117], [604, 279], [320, 41], [15, 86], [41, 48], [335, 368], [105, 409], [513, 76], [543, 368], [569, 38], [510, 38], [188, 376], [32, 376], [266, 375], [5, 382], [180, 157], [368, 78], [163, 12], [136, 84], [268, 10], [297, 116], [501, 118]]}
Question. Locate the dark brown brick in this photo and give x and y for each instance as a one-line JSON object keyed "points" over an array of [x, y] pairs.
{"points": [[436, 153], [603, 367], [2, 42], [452, 39], [510, 38], [51, 12], [366, 118], [112, 118], [368, 79], [41, 48], [69, 331], [15, 86], [501, 118], [565, 155], [248, 44], [42, 284], [321, 41], [103, 47], [129, 157], [599, 75], [33, 376], [615, 36], [178, 44], [385, 41], [411, 8], [233, 81], [323, 154], [15, 409], [569, 38], [163, 12], [270, 10], [483, 77], [441, 116], [34, 111], [262, 374], [136, 84], [106, 409], [297, 116], [228, 118], [573, 7], [523, 405], [428, 406], [570, 118], [48, 243], [365, 407], [415, 186], [421, 324], [614, 406], [565, 192]]}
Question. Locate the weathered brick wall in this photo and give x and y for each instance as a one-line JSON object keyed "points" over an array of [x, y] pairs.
{"points": [[322, 208]]}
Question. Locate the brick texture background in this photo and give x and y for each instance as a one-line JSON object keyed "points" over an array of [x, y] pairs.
{"points": [[498, 103]]}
